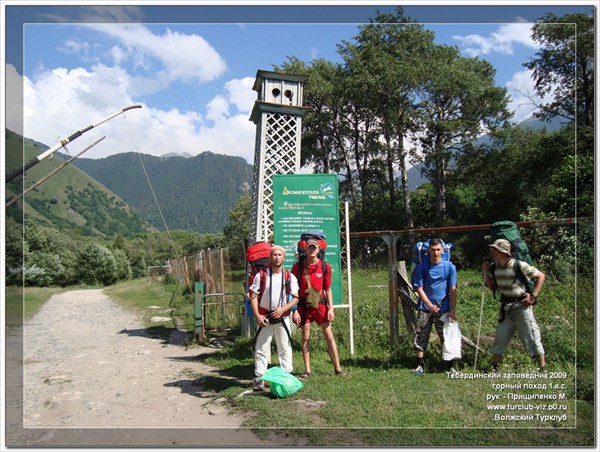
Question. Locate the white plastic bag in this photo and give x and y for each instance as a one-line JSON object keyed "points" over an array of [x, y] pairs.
{"points": [[452, 341]]}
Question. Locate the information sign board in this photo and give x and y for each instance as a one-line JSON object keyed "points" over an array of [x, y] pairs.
{"points": [[306, 202]]}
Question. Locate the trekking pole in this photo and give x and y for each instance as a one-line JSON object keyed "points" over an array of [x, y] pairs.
{"points": [[480, 318]]}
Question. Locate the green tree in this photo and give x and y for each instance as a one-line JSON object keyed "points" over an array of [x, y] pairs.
{"points": [[16, 248], [96, 265], [564, 69], [237, 228], [326, 138], [565, 66], [382, 73], [50, 251], [123, 267], [503, 177], [456, 101]]}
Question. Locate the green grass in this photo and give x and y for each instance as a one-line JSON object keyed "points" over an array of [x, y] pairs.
{"points": [[383, 403], [24, 303]]}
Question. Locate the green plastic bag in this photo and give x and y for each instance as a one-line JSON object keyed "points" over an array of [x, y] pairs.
{"points": [[283, 384]]}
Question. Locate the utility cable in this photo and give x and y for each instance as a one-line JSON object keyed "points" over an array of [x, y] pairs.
{"points": [[162, 217], [480, 319], [179, 258]]}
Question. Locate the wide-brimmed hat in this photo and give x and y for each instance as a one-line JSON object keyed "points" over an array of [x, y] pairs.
{"points": [[502, 245]]}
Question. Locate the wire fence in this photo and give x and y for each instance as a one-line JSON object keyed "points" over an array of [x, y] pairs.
{"points": [[380, 316]]}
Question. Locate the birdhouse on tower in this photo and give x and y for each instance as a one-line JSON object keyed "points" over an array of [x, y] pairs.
{"points": [[277, 114]]}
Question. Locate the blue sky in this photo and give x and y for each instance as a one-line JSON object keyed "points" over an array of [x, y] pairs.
{"points": [[193, 73]]}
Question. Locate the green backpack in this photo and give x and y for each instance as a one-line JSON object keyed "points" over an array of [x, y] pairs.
{"points": [[510, 231]]}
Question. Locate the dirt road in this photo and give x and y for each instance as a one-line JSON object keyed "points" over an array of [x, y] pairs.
{"points": [[89, 365]]}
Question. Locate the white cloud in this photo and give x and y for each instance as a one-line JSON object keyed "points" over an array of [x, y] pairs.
{"points": [[118, 54], [14, 99], [240, 94], [180, 57], [501, 41], [60, 102], [217, 108], [234, 135], [523, 97], [132, 63], [75, 46]]}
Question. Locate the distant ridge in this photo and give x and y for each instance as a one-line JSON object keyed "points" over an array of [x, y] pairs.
{"points": [[416, 179], [174, 154], [194, 193], [70, 199]]}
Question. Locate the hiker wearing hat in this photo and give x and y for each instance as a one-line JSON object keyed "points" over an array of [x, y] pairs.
{"points": [[315, 305], [273, 293], [510, 277], [435, 284]]}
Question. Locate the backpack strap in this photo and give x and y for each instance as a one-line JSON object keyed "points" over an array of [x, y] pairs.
{"points": [[494, 282], [288, 281], [528, 283], [263, 282], [519, 275]]}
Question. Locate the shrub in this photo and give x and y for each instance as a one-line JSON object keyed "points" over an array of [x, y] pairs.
{"points": [[96, 265]]}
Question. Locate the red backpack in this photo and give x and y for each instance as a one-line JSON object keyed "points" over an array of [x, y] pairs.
{"points": [[258, 256]]}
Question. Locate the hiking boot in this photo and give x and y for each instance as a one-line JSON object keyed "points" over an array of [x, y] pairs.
{"points": [[453, 371], [419, 370], [259, 385]]}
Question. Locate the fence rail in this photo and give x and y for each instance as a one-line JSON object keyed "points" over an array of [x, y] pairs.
{"points": [[375, 257]]}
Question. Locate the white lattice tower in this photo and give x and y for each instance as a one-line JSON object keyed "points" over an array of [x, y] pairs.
{"points": [[277, 114]]}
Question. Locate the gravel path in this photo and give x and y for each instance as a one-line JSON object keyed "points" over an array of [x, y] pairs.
{"points": [[89, 364]]}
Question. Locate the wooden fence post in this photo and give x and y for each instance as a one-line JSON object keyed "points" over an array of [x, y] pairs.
{"points": [[391, 241]]}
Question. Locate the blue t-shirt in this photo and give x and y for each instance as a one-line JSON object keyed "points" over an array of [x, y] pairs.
{"points": [[436, 280]]}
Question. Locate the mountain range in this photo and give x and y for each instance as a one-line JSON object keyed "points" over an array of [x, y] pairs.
{"points": [[416, 178], [189, 193], [67, 198]]}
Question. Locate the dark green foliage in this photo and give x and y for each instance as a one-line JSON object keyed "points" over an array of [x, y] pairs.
{"points": [[102, 212], [194, 194], [15, 249], [565, 65], [70, 199], [237, 230], [96, 265], [48, 257]]}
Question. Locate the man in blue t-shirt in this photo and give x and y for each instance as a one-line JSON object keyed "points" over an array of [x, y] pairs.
{"points": [[435, 283]]}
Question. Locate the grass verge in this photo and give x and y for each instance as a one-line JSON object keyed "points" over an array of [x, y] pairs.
{"points": [[25, 302], [385, 404]]}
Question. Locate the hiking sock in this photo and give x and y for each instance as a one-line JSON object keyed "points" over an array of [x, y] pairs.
{"points": [[421, 362], [450, 364]]}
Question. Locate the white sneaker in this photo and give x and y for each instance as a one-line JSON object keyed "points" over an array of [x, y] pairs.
{"points": [[419, 370]]}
